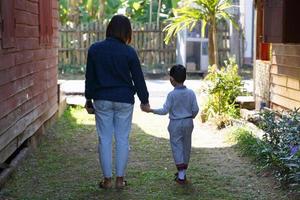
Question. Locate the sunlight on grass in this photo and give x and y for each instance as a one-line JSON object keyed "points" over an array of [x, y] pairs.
{"points": [[81, 116]]}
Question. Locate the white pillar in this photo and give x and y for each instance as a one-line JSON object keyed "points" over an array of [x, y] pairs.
{"points": [[247, 21]]}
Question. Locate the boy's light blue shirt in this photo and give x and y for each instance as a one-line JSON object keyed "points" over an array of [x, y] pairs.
{"points": [[181, 103]]}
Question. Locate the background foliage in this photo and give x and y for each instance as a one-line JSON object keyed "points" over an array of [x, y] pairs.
{"points": [[83, 11]]}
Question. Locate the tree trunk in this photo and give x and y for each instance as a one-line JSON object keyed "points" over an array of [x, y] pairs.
{"points": [[215, 41], [150, 12], [101, 10], [74, 12], [158, 11], [211, 47]]}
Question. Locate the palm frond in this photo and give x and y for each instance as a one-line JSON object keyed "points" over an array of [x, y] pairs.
{"points": [[229, 17], [176, 26], [186, 18]]}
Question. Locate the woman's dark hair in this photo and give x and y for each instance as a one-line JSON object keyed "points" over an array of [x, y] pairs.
{"points": [[178, 72], [119, 27]]}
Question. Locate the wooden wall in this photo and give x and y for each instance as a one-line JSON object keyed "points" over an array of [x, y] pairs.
{"points": [[28, 71], [285, 76]]}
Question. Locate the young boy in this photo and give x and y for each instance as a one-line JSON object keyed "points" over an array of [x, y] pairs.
{"points": [[181, 104]]}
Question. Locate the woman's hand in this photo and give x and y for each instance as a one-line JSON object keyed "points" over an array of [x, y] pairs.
{"points": [[146, 108], [89, 106]]}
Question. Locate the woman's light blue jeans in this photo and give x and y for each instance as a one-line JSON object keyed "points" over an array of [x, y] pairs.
{"points": [[113, 119]]}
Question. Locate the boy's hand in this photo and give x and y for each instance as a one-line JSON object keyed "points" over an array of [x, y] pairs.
{"points": [[89, 107], [145, 107]]}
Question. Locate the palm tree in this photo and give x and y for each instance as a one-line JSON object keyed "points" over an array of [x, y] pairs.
{"points": [[210, 12], [101, 10]]}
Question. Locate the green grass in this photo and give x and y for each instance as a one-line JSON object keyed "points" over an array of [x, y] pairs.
{"points": [[252, 147], [262, 155], [65, 166]]}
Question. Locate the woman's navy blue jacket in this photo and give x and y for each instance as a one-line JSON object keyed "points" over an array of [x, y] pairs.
{"points": [[114, 73]]}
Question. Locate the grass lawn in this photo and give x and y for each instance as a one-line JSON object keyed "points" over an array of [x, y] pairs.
{"points": [[65, 166]]}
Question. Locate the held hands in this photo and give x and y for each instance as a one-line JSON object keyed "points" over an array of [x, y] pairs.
{"points": [[146, 108]]}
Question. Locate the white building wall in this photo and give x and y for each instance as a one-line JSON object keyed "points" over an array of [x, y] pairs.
{"points": [[246, 10], [181, 48]]}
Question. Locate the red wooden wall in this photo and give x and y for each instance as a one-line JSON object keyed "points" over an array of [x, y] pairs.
{"points": [[28, 69]]}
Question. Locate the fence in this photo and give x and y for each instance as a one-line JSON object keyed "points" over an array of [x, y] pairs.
{"points": [[148, 40]]}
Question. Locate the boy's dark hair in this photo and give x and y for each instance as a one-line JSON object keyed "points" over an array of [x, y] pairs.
{"points": [[178, 72], [119, 27]]}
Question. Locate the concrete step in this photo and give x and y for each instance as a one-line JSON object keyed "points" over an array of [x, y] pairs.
{"points": [[246, 102]]}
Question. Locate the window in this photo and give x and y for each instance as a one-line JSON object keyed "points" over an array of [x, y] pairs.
{"points": [[205, 48], [45, 17], [8, 23]]}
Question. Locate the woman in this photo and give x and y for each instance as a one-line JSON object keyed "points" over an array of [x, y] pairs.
{"points": [[113, 75]]}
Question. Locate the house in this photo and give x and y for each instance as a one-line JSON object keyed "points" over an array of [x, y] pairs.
{"points": [[277, 62], [28, 70]]}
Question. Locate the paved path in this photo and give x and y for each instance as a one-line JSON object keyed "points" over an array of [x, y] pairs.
{"points": [[202, 135]]}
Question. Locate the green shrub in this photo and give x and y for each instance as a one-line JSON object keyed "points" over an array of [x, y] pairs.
{"points": [[282, 133], [224, 86], [251, 146]]}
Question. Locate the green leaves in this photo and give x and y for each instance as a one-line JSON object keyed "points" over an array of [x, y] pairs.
{"points": [[63, 10], [85, 11], [136, 5], [224, 86], [282, 134], [185, 18]]}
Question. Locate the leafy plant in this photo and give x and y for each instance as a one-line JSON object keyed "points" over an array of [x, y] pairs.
{"points": [[251, 146], [224, 86], [146, 10], [282, 134], [85, 11]]}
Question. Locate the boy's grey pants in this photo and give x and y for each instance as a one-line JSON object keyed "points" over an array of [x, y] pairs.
{"points": [[180, 138]]}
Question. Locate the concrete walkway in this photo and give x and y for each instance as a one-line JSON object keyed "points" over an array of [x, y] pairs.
{"points": [[203, 135]]}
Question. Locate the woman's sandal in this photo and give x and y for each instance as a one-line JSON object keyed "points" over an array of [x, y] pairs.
{"points": [[106, 183], [180, 181], [120, 182]]}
